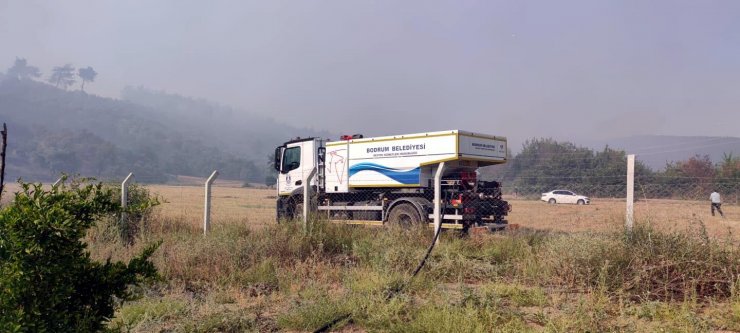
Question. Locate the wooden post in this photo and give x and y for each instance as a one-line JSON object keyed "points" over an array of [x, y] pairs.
{"points": [[629, 221], [4, 134]]}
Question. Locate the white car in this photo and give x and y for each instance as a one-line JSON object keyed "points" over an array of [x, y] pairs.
{"points": [[564, 196]]}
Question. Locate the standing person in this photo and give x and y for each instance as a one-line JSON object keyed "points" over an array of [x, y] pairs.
{"points": [[716, 203]]}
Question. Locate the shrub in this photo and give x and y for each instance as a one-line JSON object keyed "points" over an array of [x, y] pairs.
{"points": [[138, 209], [48, 283]]}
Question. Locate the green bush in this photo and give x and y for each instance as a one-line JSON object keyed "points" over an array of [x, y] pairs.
{"points": [[138, 209], [48, 283]]}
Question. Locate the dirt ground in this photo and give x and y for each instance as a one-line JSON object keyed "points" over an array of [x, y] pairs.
{"points": [[609, 214]]}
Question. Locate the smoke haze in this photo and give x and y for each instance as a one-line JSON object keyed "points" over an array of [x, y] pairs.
{"points": [[573, 70]]}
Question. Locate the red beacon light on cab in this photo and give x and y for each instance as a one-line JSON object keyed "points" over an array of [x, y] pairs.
{"points": [[350, 137]]}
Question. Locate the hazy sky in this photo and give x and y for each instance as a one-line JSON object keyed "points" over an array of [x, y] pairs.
{"points": [[569, 69]]}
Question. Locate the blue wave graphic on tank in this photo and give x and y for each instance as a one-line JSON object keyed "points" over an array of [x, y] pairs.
{"points": [[409, 176]]}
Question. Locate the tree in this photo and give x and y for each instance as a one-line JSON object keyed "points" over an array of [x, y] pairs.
{"points": [[21, 70], [48, 281], [62, 76], [729, 167], [546, 164], [729, 174], [690, 178], [87, 75]]}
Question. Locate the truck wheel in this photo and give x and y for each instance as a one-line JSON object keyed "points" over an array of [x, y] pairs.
{"points": [[551, 201], [404, 215]]}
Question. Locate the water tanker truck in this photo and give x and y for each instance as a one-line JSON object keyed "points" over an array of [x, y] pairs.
{"points": [[393, 179]]}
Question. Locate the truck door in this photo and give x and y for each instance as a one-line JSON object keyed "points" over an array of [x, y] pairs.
{"points": [[299, 159], [291, 171]]}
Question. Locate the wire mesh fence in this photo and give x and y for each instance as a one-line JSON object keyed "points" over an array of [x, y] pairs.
{"points": [[658, 196], [230, 204], [183, 199], [643, 190], [235, 204]]}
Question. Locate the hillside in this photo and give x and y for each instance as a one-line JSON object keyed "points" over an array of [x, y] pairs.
{"points": [[236, 131], [54, 131], [159, 135]]}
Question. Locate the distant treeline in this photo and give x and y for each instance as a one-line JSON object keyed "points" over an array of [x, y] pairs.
{"points": [[546, 164]]}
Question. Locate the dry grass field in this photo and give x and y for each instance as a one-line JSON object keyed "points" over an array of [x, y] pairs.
{"points": [[232, 204], [580, 280], [256, 207], [608, 215], [568, 269], [253, 207]]}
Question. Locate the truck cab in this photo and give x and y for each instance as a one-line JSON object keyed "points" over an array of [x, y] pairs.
{"points": [[294, 161]]}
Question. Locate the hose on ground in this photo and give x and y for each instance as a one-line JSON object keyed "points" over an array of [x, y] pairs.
{"points": [[326, 327]]}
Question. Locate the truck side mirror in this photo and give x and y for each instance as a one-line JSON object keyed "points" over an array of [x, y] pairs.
{"points": [[276, 162], [322, 154]]}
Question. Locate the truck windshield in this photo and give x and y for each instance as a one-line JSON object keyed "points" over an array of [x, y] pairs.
{"points": [[291, 159]]}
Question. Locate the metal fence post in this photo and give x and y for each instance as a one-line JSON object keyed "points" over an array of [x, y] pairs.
{"points": [[438, 198], [124, 195], [306, 199], [207, 208], [630, 192]]}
